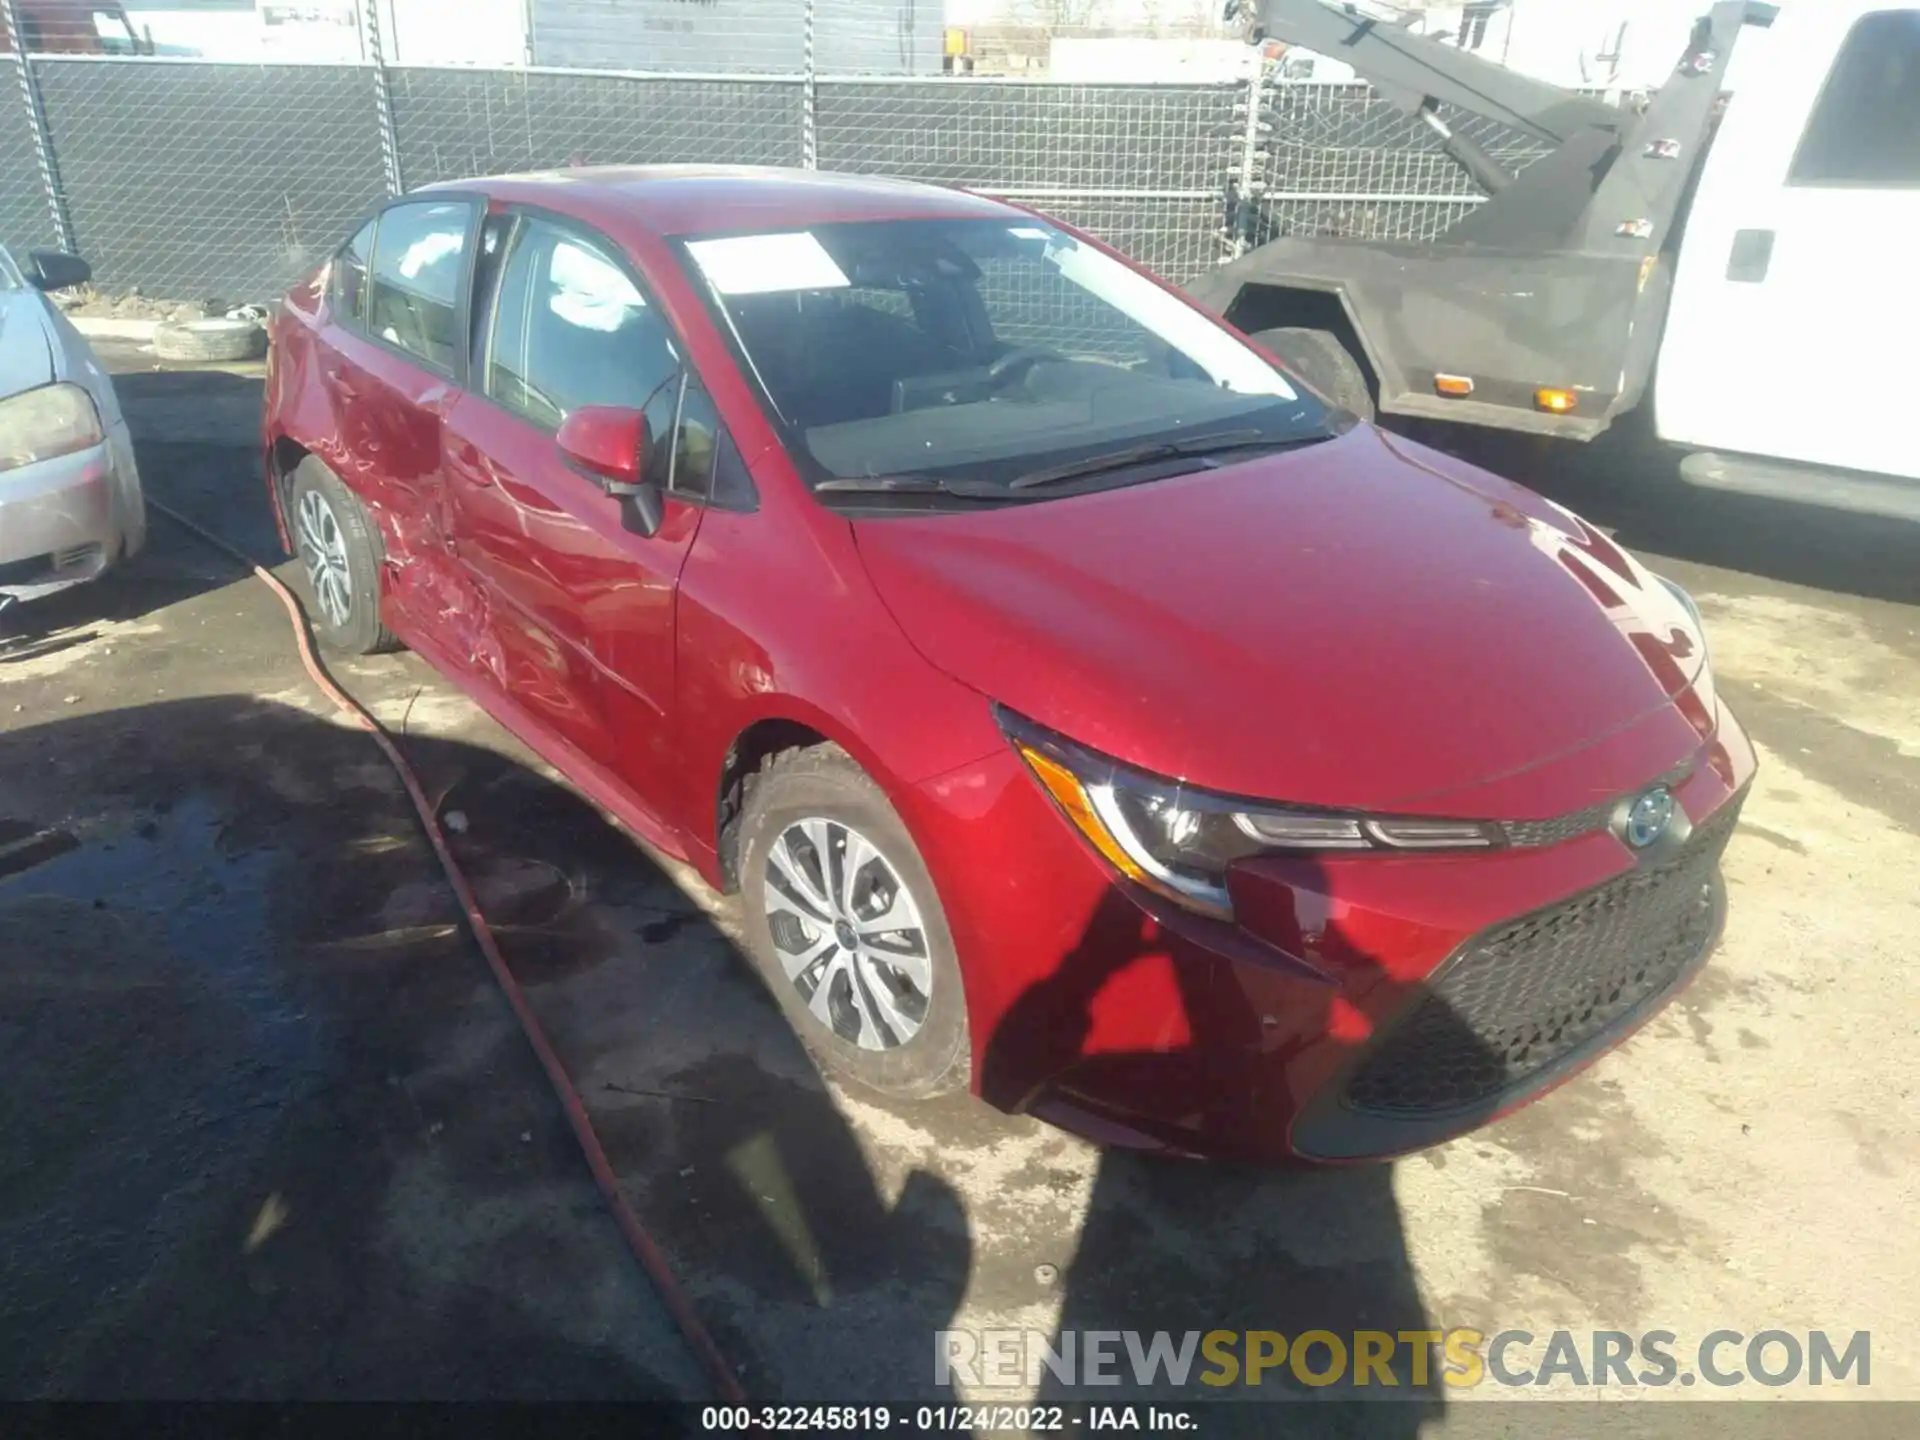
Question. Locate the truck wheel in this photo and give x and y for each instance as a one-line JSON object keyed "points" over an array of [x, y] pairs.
{"points": [[1318, 357]]}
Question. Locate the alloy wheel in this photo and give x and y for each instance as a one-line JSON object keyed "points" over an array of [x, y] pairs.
{"points": [[323, 550], [849, 933]]}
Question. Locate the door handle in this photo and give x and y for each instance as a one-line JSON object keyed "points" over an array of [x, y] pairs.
{"points": [[1750, 256]]}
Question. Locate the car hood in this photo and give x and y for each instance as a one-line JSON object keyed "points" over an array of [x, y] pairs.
{"points": [[1364, 622], [26, 347]]}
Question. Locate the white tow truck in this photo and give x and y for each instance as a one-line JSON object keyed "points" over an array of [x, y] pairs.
{"points": [[1744, 263]]}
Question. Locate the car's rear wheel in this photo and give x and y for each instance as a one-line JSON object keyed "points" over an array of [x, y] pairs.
{"points": [[845, 927], [339, 550]]}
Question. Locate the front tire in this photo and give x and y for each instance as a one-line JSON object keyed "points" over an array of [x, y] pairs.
{"points": [[339, 550], [845, 927]]}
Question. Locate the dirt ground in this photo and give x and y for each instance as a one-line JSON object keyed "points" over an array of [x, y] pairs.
{"points": [[269, 1131]]}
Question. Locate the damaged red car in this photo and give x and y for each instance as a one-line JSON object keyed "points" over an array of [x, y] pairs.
{"points": [[1083, 710]]}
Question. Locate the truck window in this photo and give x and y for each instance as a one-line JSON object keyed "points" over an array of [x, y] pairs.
{"points": [[1865, 129]]}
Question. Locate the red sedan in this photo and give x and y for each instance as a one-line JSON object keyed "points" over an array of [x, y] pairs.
{"points": [[1083, 709]]}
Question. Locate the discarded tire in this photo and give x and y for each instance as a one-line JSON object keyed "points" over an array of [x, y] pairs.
{"points": [[210, 339]]}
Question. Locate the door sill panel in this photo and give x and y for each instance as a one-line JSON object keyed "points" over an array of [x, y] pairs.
{"points": [[589, 777]]}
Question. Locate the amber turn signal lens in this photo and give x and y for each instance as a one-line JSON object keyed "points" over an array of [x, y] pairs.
{"points": [[1071, 796], [1558, 402], [1457, 386]]}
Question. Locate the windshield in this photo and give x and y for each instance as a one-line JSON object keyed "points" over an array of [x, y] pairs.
{"points": [[989, 353], [10, 277]]}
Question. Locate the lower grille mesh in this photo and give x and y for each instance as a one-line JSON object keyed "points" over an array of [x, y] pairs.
{"points": [[1519, 998]]}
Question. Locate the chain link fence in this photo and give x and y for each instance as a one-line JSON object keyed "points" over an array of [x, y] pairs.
{"points": [[26, 220], [196, 179], [457, 123], [1339, 160]]}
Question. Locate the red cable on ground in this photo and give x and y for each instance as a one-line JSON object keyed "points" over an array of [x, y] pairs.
{"points": [[643, 1246]]}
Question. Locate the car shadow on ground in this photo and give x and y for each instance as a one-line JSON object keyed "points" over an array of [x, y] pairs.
{"points": [[269, 1131], [1164, 1244], [827, 1266], [275, 1135]]}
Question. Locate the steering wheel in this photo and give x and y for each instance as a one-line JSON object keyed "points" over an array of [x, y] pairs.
{"points": [[1016, 363]]}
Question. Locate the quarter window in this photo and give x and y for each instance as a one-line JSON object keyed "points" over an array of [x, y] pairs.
{"points": [[1865, 130], [414, 300], [696, 443], [350, 276]]}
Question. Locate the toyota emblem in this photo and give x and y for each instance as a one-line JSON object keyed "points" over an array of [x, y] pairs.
{"points": [[1648, 817]]}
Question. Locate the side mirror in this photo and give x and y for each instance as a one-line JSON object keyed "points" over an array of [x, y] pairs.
{"points": [[608, 445], [57, 270]]}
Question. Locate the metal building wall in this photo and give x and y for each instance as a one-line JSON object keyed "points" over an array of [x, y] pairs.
{"points": [[881, 37]]}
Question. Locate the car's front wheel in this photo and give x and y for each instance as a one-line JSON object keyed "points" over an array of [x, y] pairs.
{"points": [[340, 552], [846, 929]]}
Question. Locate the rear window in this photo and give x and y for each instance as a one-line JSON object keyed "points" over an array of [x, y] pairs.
{"points": [[418, 258], [1865, 130]]}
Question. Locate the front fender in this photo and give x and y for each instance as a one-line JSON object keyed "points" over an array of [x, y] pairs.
{"points": [[778, 621]]}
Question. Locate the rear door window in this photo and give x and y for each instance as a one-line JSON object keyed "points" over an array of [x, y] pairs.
{"points": [[419, 262], [1865, 128]]}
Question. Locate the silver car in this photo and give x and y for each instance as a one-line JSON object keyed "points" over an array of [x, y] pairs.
{"points": [[70, 501]]}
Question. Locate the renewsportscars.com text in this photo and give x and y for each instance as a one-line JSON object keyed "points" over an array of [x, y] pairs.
{"points": [[1381, 1359]]}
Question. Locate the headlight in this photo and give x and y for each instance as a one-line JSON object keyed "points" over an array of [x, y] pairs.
{"points": [[53, 420], [1178, 841]]}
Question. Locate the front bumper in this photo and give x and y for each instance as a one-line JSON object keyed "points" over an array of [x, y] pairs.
{"points": [[65, 521], [1344, 1016]]}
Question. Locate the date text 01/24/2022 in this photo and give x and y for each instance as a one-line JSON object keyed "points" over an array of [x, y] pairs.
{"points": [[945, 1419]]}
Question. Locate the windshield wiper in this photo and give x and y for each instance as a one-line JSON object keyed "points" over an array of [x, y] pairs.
{"points": [[1163, 450], [911, 485]]}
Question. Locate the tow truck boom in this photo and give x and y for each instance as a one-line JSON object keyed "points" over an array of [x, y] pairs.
{"points": [[1557, 280]]}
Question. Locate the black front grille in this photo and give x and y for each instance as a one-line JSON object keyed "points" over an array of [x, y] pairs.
{"points": [[1538, 833], [1519, 998], [1533, 834]]}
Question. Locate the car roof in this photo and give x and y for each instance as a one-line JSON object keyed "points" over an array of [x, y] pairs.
{"points": [[718, 199]]}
